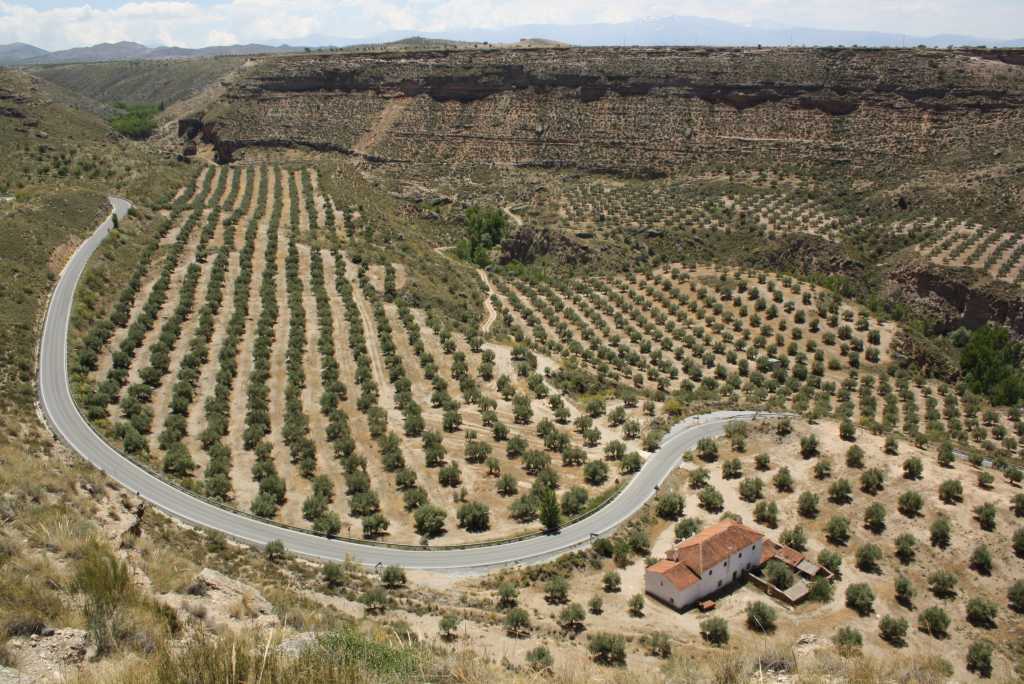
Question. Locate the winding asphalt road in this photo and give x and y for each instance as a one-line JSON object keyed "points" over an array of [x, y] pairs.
{"points": [[73, 429]]}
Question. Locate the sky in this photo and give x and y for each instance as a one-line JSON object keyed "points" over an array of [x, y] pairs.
{"points": [[59, 24]]}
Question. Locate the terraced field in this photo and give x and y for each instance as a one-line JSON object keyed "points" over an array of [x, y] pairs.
{"points": [[254, 360], [998, 253]]}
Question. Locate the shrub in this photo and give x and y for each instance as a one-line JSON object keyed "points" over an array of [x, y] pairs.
{"points": [[933, 621], [670, 506], [274, 551], [449, 623], [1015, 596], [783, 480], [571, 617], [779, 574], [904, 590], [942, 583], [1017, 505], [751, 489], [333, 575], [795, 538], [767, 513], [807, 505], [982, 613], [393, 577], [981, 560], [940, 532], [946, 455], [761, 617], [711, 499], [830, 560], [607, 649], [556, 590], [636, 605], [517, 622], [868, 557], [540, 659], [906, 544], [893, 630], [508, 595], [840, 492], [658, 645], [874, 517], [855, 457], [913, 468], [375, 600], [872, 481], [612, 582], [820, 591], [596, 605], [910, 504], [715, 631], [732, 469], [951, 492], [1018, 542], [985, 514], [979, 658], [860, 598], [847, 639], [686, 528]]}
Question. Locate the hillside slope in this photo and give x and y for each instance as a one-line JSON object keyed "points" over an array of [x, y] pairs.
{"points": [[147, 81], [638, 111]]}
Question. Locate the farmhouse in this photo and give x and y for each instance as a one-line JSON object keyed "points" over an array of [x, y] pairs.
{"points": [[704, 563]]}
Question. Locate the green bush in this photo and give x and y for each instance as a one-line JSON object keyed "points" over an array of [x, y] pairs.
{"points": [[715, 631], [608, 649], [933, 621], [860, 598], [893, 629], [761, 617], [979, 658]]}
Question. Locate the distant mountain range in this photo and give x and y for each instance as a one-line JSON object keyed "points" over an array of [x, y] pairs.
{"points": [[665, 31], [678, 30], [21, 54]]}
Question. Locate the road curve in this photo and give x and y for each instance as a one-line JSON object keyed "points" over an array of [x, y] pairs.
{"points": [[73, 429]]}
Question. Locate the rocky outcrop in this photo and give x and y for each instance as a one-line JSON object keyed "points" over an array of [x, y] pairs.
{"points": [[805, 253], [50, 655], [528, 244], [956, 297], [220, 599]]}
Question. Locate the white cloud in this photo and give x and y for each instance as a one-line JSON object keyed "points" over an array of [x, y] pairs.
{"points": [[191, 23]]}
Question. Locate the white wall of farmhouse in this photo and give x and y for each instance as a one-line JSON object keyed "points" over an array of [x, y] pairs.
{"points": [[732, 568]]}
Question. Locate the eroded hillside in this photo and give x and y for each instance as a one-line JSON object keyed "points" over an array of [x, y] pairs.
{"points": [[640, 111]]}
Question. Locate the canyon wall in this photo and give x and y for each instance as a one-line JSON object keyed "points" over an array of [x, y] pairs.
{"points": [[630, 110]]}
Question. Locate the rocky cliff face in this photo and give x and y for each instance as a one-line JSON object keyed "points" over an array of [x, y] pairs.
{"points": [[628, 110], [954, 297]]}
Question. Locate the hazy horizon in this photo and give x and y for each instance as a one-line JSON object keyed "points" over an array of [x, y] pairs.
{"points": [[57, 24]]}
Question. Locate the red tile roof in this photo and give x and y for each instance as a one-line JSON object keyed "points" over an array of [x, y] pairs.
{"points": [[714, 544], [787, 555], [678, 574]]}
